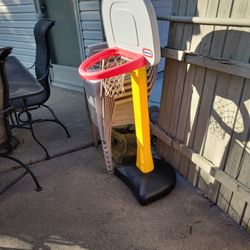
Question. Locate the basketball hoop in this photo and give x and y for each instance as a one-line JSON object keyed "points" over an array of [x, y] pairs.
{"points": [[132, 35], [124, 61], [110, 66]]}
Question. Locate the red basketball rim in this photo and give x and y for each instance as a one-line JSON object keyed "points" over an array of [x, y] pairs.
{"points": [[135, 61]]}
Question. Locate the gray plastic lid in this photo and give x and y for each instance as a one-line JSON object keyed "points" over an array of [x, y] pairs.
{"points": [[132, 25]]}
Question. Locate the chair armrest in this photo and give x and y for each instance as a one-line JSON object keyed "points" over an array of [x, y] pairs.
{"points": [[10, 108], [43, 77], [4, 52], [46, 74], [32, 66]]}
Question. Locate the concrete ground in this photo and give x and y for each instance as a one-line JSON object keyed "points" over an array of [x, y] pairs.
{"points": [[69, 107], [83, 207]]}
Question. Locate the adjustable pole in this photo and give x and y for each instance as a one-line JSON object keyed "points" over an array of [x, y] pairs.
{"points": [[144, 159], [151, 179]]}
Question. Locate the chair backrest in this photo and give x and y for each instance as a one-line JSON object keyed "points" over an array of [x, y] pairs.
{"points": [[4, 97], [42, 62]]}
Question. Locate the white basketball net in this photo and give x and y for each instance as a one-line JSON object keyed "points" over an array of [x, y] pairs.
{"points": [[113, 86]]}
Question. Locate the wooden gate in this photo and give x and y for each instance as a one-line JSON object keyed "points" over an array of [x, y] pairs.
{"points": [[204, 119]]}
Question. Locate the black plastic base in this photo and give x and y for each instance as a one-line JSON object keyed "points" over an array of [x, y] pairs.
{"points": [[151, 186]]}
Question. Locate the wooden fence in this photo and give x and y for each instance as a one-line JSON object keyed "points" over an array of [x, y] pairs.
{"points": [[204, 119]]}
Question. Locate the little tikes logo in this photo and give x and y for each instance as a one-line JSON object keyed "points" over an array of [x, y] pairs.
{"points": [[147, 53]]}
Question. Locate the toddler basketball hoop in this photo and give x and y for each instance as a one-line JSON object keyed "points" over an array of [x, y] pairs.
{"points": [[109, 63], [133, 38], [110, 66]]}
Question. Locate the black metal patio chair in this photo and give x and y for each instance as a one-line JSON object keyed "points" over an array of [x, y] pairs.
{"points": [[7, 141], [24, 94]]}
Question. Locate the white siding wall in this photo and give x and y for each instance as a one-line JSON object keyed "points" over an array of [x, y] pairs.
{"points": [[17, 19], [91, 22]]}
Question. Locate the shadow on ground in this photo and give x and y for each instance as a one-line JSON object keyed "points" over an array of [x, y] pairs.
{"points": [[83, 207], [70, 108]]}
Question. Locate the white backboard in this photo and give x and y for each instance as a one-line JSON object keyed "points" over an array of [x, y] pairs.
{"points": [[132, 25]]}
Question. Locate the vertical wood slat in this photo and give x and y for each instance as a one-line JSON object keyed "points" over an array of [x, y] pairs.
{"points": [[193, 97], [201, 73], [198, 33], [238, 160], [210, 76], [164, 150], [212, 143], [185, 75], [174, 74], [226, 201], [237, 205], [187, 117], [204, 47], [244, 176]]}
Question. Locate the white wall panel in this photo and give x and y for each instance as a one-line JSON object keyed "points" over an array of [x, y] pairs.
{"points": [[17, 20]]}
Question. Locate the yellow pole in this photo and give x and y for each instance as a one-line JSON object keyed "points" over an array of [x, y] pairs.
{"points": [[144, 159]]}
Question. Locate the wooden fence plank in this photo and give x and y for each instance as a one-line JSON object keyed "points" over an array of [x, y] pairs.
{"points": [[182, 41], [246, 219], [181, 84], [168, 89], [207, 10], [195, 87], [237, 205], [244, 177], [227, 200], [206, 182], [205, 165], [204, 112], [186, 102], [166, 99], [180, 74]]}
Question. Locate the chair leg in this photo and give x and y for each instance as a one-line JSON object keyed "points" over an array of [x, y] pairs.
{"points": [[29, 123], [28, 171], [56, 120]]}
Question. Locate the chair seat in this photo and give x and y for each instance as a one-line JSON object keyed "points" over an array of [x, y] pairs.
{"points": [[22, 84]]}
